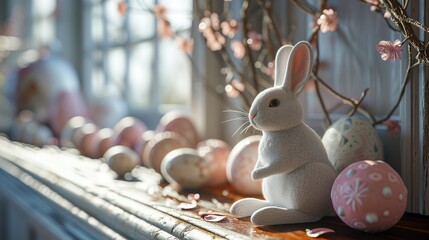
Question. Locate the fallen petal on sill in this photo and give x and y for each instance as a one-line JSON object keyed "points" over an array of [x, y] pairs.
{"points": [[205, 213], [316, 232], [188, 206], [214, 218]]}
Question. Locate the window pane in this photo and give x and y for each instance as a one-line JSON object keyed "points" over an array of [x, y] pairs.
{"points": [[140, 75], [116, 66], [43, 8], [174, 73], [141, 21], [97, 23], [43, 18], [179, 13], [115, 23]]}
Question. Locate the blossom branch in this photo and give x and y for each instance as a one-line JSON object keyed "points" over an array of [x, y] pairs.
{"points": [[403, 22], [403, 87]]}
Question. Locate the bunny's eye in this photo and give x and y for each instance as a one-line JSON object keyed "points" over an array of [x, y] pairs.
{"points": [[274, 102]]}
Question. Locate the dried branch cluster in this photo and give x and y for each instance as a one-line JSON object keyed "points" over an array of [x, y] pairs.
{"points": [[251, 71]]}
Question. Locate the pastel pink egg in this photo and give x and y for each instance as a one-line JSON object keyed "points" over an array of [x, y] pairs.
{"points": [[181, 124], [159, 146], [121, 159], [215, 152], [369, 196], [142, 143], [66, 106], [240, 164], [81, 132], [107, 139], [129, 130], [88, 143], [66, 136]]}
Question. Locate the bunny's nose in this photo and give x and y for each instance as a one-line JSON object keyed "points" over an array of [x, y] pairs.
{"points": [[252, 116]]}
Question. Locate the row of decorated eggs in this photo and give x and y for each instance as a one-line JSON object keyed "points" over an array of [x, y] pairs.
{"points": [[174, 149]]}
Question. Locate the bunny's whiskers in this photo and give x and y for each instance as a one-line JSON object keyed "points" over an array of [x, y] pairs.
{"points": [[243, 116]]}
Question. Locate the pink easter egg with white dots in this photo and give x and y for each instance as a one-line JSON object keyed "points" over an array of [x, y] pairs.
{"points": [[369, 196], [215, 152], [240, 164]]}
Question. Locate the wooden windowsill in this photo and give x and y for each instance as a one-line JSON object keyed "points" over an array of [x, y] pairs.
{"points": [[143, 207]]}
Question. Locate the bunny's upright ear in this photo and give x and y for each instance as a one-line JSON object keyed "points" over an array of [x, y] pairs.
{"points": [[299, 67], [281, 60]]}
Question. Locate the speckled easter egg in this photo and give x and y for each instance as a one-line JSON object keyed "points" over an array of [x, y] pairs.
{"points": [[185, 167], [121, 159], [181, 124], [369, 196], [240, 164], [129, 130], [351, 139], [159, 146], [215, 152]]}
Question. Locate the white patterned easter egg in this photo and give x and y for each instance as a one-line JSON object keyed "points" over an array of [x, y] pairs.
{"points": [[369, 196], [185, 167], [351, 139], [240, 164]]}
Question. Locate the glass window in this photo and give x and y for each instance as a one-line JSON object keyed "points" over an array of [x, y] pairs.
{"points": [[128, 54]]}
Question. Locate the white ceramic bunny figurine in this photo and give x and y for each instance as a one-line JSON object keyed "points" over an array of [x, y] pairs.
{"points": [[297, 175]]}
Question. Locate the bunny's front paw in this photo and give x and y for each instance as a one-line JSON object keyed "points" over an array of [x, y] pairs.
{"points": [[262, 172]]}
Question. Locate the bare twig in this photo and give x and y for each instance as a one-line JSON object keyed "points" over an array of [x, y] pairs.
{"points": [[403, 87], [404, 23]]}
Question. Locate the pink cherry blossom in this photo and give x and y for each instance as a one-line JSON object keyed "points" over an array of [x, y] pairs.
{"points": [[160, 11], [328, 21], [208, 27], [229, 28], [234, 88], [164, 28], [122, 7], [185, 45], [254, 40], [390, 50], [238, 49]]}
